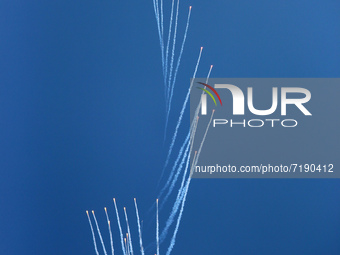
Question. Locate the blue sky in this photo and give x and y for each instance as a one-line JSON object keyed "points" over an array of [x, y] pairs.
{"points": [[82, 120]]}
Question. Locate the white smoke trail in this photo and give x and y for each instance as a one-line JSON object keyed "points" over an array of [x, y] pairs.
{"points": [[162, 35], [192, 133], [120, 228], [180, 117], [198, 108], [110, 232], [203, 92], [181, 201], [100, 235], [181, 189], [208, 76], [174, 166], [178, 64], [179, 197], [93, 235], [126, 247], [178, 200], [128, 228], [157, 227], [178, 171], [162, 25], [128, 242], [205, 134], [168, 41], [173, 240], [192, 138], [182, 193], [176, 162], [201, 145], [182, 112], [172, 54], [178, 123], [176, 205], [156, 9], [139, 229]]}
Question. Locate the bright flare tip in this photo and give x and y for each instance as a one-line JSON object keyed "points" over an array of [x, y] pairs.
{"points": [[190, 7], [92, 211], [105, 209]]}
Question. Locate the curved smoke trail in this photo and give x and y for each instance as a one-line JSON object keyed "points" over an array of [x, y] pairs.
{"points": [[168, 42], [183, 158], [185, 191], [182, 112], [177, 67], [173, 52]]}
